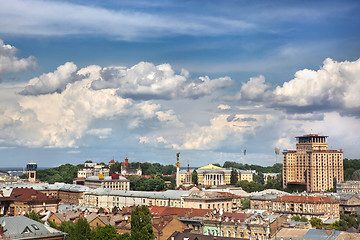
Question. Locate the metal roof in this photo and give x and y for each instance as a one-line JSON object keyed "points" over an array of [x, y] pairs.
{"points": [[20, 227], [169, 194]]}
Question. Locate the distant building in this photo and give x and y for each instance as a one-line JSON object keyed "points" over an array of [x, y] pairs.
{"points": [[263, 202], [213, 175], [308, 206], [348, 187], [114, 182], [127, 171], [92, 169], [312, 167], [268, 176], [31, 171], [20, 227], [246, 175]]}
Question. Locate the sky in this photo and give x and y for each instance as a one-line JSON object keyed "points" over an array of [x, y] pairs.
{"points": [[100, 80]]}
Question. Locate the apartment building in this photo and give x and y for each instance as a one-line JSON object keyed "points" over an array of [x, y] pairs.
{"points": [[312, 166]]}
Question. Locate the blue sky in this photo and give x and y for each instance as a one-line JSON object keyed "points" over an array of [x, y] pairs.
{"points": [[145, 79]]}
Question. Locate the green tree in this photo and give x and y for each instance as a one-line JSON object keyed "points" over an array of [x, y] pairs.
{"points": [[304, 219], [68, 227], [245, 203], [249, 186], [107, 232], [32, 215], [52, 224], [234, 177], [194, 177], [316, 222], [82, 230], [141, 227], [356, 175], [124, 236], [340, 225]]}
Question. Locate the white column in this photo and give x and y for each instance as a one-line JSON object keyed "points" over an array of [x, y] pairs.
{"points": [[177, 177]]}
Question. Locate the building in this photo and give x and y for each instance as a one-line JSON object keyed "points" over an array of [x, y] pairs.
{"points": [[308, 206], [245, 175], [164, 226], [25, 200], [225, 201], [114, 181], [263, 202], [213, 175], [348, 187], [127, 171], [31, 171], [185, 177], [188, 235], [349, 203], [20, 227], [119, 198], [270, 176], [305, 234], [312, 167], [92, 169]]}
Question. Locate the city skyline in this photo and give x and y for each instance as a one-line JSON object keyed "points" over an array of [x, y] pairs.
{"points": [[88, 80]]}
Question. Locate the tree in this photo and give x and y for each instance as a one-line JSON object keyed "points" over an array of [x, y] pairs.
{"points": [[194, 177], [32, 215], [316, 222], [304, 219], [245, 203], [82, 230], [107, 232], [340, 225], [141, 227], [356, 175], [234, 177]]}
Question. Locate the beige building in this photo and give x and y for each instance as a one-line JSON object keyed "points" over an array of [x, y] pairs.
{"points": [[348, 187], [213, 175], [245, 175], [228, 202], [312, 166], [115, 182]]}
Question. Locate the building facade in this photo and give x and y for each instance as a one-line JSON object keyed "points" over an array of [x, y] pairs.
{"points": [[114, 181], [213, 175], [348, 187], [312, 166]]}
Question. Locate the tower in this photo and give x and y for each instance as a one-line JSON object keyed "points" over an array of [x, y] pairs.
{"points": [[177, 170], [31, 171], [312, 166]]}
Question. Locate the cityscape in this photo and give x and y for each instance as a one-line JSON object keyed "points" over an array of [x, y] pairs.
{"points": [[179, 120]]}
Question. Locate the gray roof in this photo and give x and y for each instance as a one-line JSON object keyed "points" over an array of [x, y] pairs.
{"points": [[169, 194], [321, 234], [55, 186], [106, 178], [20, 227], [265, 197]]}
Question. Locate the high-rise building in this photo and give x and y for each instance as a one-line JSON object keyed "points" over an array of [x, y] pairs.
{"points": [[31, 171], [312, 166]]}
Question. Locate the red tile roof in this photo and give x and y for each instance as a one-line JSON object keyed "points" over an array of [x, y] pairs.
{"points": [[304, 199], [180, 212], [30, 195]]}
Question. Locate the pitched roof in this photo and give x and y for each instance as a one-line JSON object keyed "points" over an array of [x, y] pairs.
{"points": [[180, 212], [210, 166], [20, 227], [304, 199], [29, 195]]}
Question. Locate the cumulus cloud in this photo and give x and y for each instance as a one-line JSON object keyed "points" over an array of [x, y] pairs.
{"points": [[223, 129], [334, 87], [146, 81], [223, 107], [54, 81], [10, 63], [253, 90]]}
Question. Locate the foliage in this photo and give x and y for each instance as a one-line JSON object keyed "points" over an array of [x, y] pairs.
{"points": [[147, 168], [350, 166], [316, 222], [245, 203], [124, 236], [234, 177], [194, 177], [259, 178], [249, 186], [340, 225], [82, 230], [147, 184], [107, 232], [141, 227], [52, 224], [300, 219], [64, 173], [276, 168], [32, 215], [356, 175]]}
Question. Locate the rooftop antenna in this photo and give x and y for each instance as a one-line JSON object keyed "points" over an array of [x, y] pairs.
{"points": [[277, 152]]}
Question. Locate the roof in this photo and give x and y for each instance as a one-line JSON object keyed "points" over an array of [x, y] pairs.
{"points": [[311, 135], [192, 236], [304, 199], [265, 197], [106, 178], [180, 212], [29, 195], [20, 227], [211, 166]]}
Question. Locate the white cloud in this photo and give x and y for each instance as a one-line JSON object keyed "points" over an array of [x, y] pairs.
{"points": [[54, 81], [224, 107], [10, 63], [253, 90], [147, 81], [100, 132]]}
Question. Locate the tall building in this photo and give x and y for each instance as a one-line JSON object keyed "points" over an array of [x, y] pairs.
{"points": [[312, 166], [31, 171]]}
